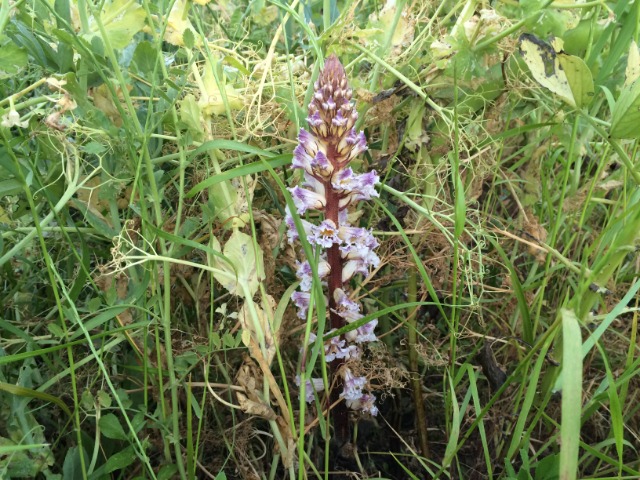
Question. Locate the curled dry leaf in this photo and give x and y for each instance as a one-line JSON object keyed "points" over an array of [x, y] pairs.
{"points": [[250, 400], [257, 408], [535, 232]]}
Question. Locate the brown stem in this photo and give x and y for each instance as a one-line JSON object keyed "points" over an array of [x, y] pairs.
{"points": [[339, 413], [416, 379]]}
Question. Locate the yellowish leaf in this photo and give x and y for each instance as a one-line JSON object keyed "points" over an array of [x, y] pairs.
{"points": [[120, 19], [243, 266], [632, 72], [565, 75]]}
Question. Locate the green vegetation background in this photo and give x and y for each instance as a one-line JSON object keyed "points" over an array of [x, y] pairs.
{"points": [[145, 325]]}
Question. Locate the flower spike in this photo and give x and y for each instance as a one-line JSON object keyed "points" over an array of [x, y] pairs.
{"points": [[324, 152]]}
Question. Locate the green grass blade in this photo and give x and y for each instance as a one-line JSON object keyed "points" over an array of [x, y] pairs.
{"points": [[571, 395]]}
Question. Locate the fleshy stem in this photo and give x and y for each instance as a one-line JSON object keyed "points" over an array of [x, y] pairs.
{"points": [[331, 187], [340, 412]]}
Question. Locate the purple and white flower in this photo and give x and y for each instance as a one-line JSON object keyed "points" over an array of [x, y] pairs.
{"points": [[312, 385], [307, 199], [330, 188]]}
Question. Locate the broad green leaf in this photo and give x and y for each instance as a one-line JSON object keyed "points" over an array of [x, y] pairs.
{"points": [[111, 427], [191, 117], [547, 468], [94, 218], [120, 460], [565, 75], [626, 113], [244, 268], [571, 395], [12, 60], [72, 467], [10, 187], [145, 58], [579, 77], [167, 472], [121, 20]]}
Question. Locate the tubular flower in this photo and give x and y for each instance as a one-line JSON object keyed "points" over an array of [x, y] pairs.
{"points": [[331, 187]]}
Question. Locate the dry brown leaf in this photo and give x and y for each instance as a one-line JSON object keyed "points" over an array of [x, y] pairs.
{"points": [[264, 322], [257, 408]]}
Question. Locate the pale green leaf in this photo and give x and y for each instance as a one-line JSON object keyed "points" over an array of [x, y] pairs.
{"points": [[12, 60], [571, 395], [579, 77], [121, 20], [243, 269], [626, 113], [632, 72], [454, 434]]}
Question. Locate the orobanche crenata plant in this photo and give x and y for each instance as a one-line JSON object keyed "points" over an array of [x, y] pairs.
{"points": [[332, 188]]}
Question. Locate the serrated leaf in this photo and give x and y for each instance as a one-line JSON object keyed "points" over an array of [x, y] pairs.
{"points": [[243, 267], [228, 340], [626, 113], [188, 38], [111, 427], [104, 399]]}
